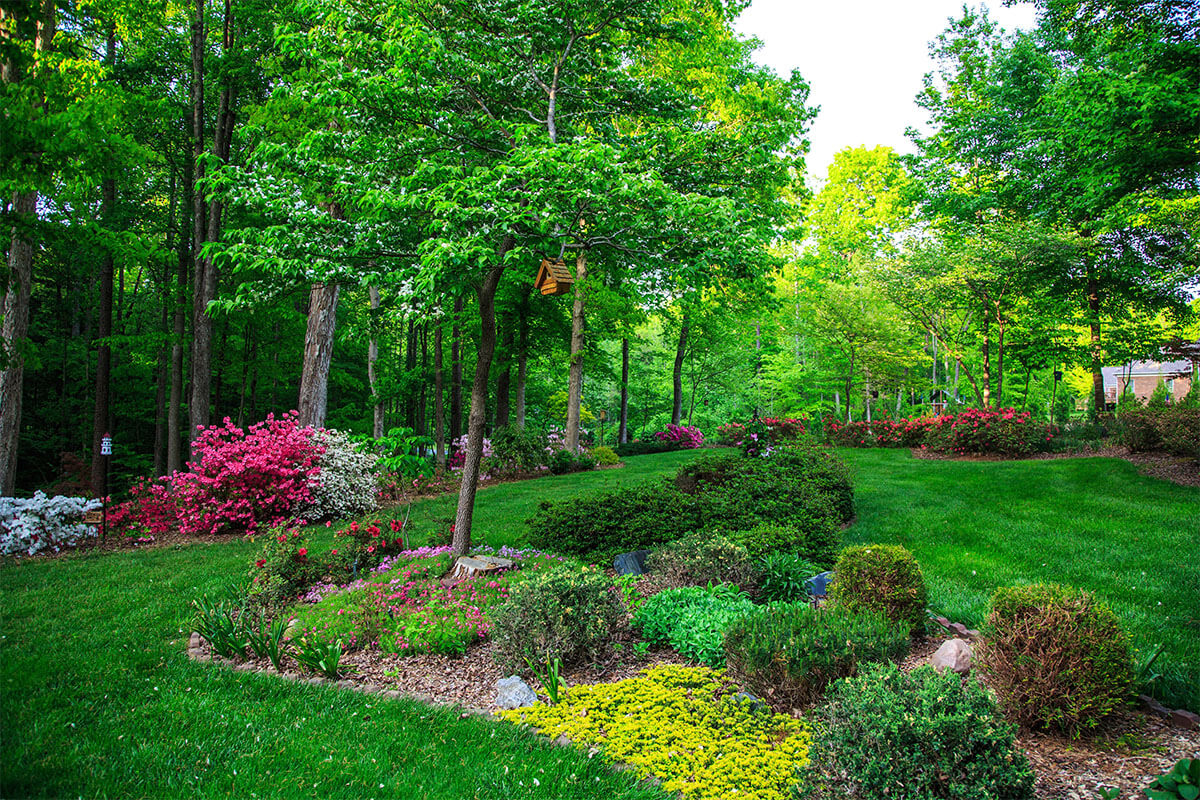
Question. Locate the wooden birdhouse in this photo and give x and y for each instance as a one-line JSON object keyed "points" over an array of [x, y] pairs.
{"points": [[553, 277]]}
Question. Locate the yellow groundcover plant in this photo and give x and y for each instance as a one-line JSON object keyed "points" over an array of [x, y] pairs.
{"points": [[684, 726]]}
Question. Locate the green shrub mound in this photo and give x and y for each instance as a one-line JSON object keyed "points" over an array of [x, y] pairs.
{"points": [[789, 654], [1175, 429], [693, 620], [884, 578], [803, 490], [645, 448], [605, 456], [915, 736], [1055, 656], [700, 559], [566, 612], [816, 542]]}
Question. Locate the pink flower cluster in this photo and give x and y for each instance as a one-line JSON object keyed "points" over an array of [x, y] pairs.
{"points": [[241, 479], [1003, 431], [686, 437]]}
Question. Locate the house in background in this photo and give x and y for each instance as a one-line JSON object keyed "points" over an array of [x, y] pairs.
{"points": [[1142, 377]]}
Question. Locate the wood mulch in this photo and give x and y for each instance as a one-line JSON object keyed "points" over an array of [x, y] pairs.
{"points": [[1176, 469], [1129, 752]]}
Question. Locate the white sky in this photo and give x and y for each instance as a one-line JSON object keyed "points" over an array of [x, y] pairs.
{"points": [[864, 60]]}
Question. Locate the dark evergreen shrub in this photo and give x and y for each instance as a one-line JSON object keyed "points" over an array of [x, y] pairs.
{"points": [[883, 578]]}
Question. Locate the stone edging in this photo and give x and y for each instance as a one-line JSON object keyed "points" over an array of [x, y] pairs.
{"points": [[1179, 718]]}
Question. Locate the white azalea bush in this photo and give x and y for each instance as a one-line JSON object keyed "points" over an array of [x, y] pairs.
{"points": [[29, 526], [344, 485]]}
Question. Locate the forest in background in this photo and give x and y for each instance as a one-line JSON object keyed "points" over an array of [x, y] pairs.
{"points": [[230, 209]]}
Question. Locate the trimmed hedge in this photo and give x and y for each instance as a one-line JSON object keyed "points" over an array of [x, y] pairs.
{"points": [[645, 448]]}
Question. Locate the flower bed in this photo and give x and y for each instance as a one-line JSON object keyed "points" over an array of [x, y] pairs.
{"points": [[975, 431], [684, 725]]}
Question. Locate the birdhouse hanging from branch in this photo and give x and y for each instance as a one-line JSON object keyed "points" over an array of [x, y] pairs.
{"points": [[553, 277]]}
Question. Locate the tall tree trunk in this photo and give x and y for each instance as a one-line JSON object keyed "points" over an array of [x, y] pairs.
{"points": [[456, 396], [623, 430], [99, 481], [522, 356], [318, 354], [986, 375], [410, 367], [372, 357], [14, 330], [422, 426], [575, 379], [504, 379], [461, 540], [677, 376], [1097, 352], [1000, 364], [206, 230], [439, 406], [247, 357]]}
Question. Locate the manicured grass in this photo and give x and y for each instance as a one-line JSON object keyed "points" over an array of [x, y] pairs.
{"points": [[1094, 523], [99, 700]]}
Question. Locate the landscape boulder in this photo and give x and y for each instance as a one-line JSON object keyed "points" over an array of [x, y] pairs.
{"points": [[953, 655], [633, 563], [512, 692]]}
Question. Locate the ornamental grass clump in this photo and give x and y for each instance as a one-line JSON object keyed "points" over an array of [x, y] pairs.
{"points": [[693, 620], [789, 654], [883, 578], [565, 612], [921, 735], [1056, 657], [684, 726]]}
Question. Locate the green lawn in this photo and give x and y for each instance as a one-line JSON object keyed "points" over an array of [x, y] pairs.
{"points": [[1095, 523], [99, 700]]}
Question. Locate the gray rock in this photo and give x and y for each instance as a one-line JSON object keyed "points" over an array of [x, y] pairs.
{"points": [[953, 655], [818, 585], [755, 704], [512, 692], [633, 563]]}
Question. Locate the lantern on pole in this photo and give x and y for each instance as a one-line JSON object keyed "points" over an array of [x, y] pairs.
{"points": [[106, 454]]}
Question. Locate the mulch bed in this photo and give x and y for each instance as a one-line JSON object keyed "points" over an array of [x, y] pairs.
{"points": [[1176, 469], [1130, 751]]}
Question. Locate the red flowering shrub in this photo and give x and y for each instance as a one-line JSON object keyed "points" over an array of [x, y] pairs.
{"points": [[1002, 431], [774, 430], [370, 543], [241, 479], [684, 437]]}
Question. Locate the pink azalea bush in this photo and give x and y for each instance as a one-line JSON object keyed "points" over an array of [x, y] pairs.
{"points": [[267, 475], [684, 437]]}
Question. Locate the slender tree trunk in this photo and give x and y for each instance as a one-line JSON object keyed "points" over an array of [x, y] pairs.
{"points": [[575, 379], [422, 426], [318, 353], [986, 377], [504, 379], [439, 406], [206, 230], [461, 541], [244, 389], [161, 376], [677, 378], [522, 356], [623, 430], [1097, 352], [1000, 364], [456, 397], [372, 357], [410, 367], [183, 267], [108, 200]]}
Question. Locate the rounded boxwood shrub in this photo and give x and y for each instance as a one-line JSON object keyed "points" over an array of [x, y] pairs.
{"points": [[700, 559], [915, 736], [605, 456], [1055, 656], [565, 612], [789, 654], [884, 578]]}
